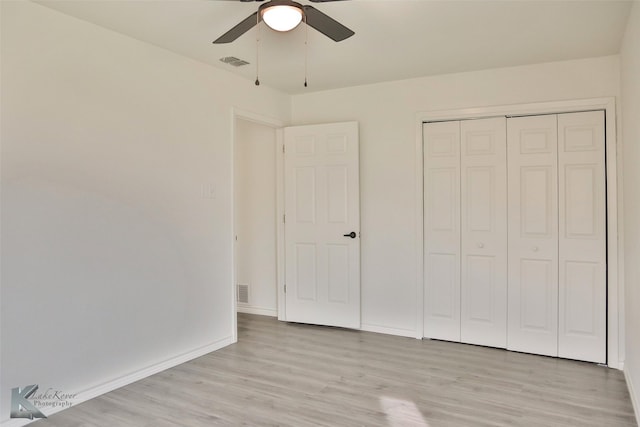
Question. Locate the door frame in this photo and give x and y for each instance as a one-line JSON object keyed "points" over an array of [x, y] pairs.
{"points": [[277, 125], [615, 267]]}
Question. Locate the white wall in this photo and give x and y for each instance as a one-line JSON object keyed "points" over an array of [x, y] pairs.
{"points": [[387, 116], [111, 258], [112, 261], [630, 89], [255, 201]]}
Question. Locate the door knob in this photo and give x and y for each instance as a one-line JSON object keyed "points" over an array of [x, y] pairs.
{"points": [[534, 249], [481, 245], [352, 235]]}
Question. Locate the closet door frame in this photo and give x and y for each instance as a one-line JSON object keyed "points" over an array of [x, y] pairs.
{"points": [[615, 284]]}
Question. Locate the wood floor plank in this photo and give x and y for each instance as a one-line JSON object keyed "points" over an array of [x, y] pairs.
{"points": [[281, 374]]}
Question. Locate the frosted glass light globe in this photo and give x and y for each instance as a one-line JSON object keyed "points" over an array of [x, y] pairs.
{"points": [[282, 17]]}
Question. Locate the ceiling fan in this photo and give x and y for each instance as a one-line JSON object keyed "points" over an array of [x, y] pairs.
{"points": [[285, 15]]}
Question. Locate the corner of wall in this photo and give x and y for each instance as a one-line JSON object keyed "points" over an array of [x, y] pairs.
{"points": [[630, 129], [632, 393]]}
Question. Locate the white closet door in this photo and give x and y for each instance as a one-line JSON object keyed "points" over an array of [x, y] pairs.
{"points": [[442, 230], [533, 234], [483, 281], [582, 256]]}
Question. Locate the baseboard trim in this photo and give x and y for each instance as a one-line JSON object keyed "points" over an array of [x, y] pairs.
{"points": [[633, 395], [257, 310], [388, 331], [108, 386]]}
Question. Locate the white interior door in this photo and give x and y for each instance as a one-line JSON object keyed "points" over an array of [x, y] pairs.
{"points": [[483, 281], [582, 244], [533, 234], [442, 230], [322, 225]]}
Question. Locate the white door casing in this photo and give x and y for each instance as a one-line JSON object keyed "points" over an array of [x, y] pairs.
{"points": [[442, 230], [483, 281], [582, 230], [532, 149], [322, 204]]}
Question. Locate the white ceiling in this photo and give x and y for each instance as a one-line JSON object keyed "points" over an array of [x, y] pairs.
{"points": [[395, 39]]}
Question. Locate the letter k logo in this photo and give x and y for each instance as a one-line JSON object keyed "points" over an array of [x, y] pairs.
{"points": [[21, 407]]}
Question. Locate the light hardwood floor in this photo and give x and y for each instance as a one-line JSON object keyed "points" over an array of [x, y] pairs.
{"points": [[300, 375]]}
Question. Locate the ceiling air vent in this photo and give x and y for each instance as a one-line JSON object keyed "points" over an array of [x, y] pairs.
{"points": [[232, 60]]}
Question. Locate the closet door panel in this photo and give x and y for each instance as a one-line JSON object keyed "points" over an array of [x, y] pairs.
{"points": [[582, 243], [483, 281], [442, 230], [533, 234]]}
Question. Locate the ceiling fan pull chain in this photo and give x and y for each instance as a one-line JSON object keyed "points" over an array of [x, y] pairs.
{"points": [[306, 49], [258, 50]]}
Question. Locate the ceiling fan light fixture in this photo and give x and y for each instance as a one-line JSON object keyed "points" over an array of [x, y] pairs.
{"points": [[282, 17]]}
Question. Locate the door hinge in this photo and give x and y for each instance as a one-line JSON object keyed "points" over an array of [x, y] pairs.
{"points": [[285, 288], [284, 219], [283, 148]]}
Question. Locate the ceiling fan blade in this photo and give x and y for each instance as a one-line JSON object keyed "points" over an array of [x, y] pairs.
{"points": [[326, 25], [238, 30]]}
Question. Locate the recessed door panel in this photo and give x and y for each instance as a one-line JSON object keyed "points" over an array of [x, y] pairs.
{"points": [[533, 234], [306, 272], [536, 207], [580, 219], [338, 273], [337, 144], [443, 276], [338, 194], [304, 145], [305, 194], [580, 287], [480, 198], [536, 140], [538, 287], [479, 289], [443, 203]]}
